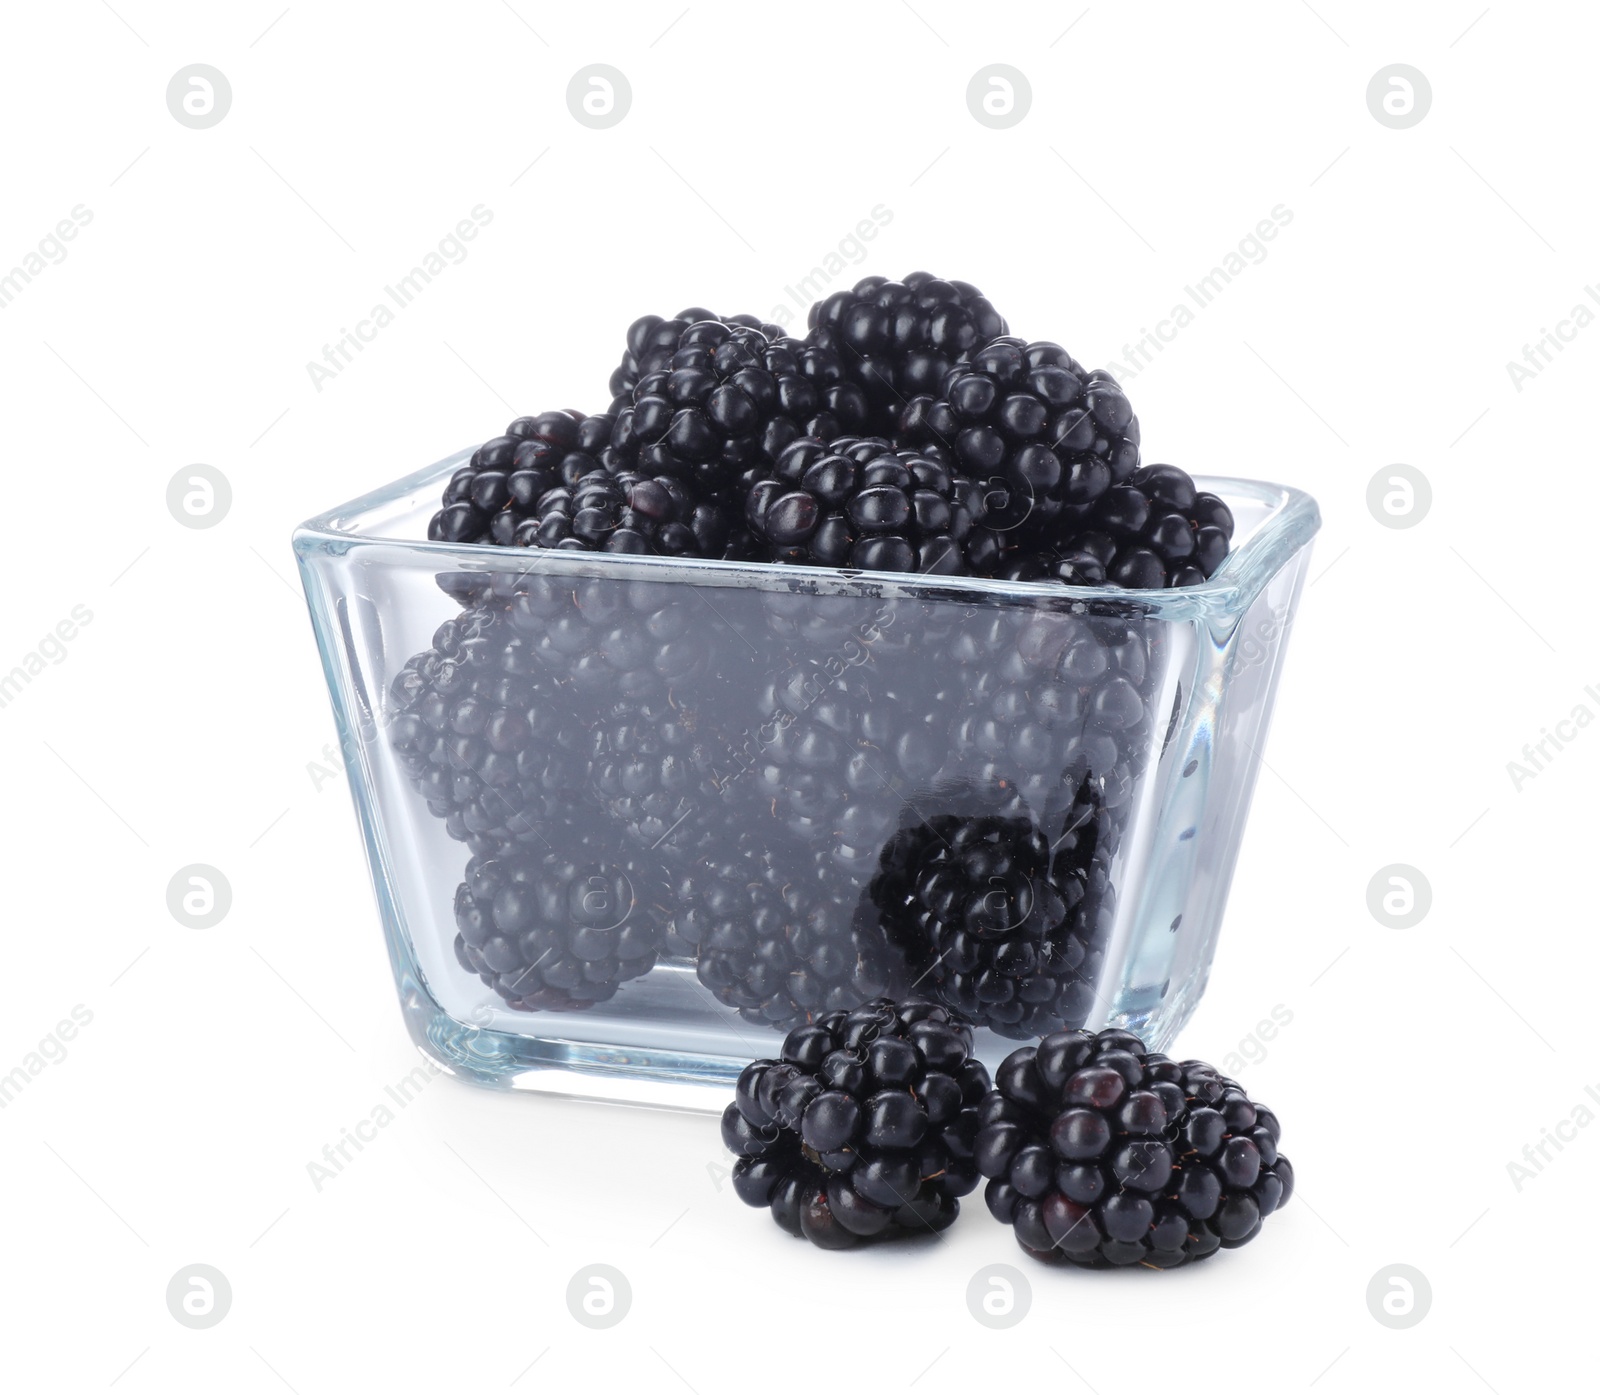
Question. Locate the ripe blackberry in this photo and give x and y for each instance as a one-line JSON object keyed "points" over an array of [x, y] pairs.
{"points": [[777, 936], [864, 1127], [727, 401], [656, 768], [485, 738], [1046, 436], [552, 701], [561, 931], [1102, 1153], [899, 339], [1056, 705], [860, 502], [1156, 530], [495, 491], [624, 512], [603, 639], [997, 924], [651, 684], [652, 341], [846, 747]]}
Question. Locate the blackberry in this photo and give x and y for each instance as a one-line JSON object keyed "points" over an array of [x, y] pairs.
{"points": [[553, 702], [624, 512], [860, 502], [997, 924], [775, 935], [649, 681], [822, 778], [1156, 530], [1054, 703], [1046, 436], [483, 735], [496, 491], [727, 401], [1102, 1153], [864, 1127], [559, 932], [603, 639], [899, 339], [652, 341], [845, 746], [655, 769]]}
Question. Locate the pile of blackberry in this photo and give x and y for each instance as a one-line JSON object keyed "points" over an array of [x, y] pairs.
{"points": [[864, 1126], [925, 439], [829, 796], [1102, 1153]]}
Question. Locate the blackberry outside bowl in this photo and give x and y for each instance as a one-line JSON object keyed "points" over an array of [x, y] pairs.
{"points": [[629, 819]]}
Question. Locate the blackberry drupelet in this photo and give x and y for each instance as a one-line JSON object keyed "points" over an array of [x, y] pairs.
{"points": [[864, 1127], [559, 931], [1157, 530], [1046, 437], [1102, 1153], [776, 936], [899, 339], [860, 502]]}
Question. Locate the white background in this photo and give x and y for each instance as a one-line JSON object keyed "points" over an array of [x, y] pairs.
{"points": [[184, 721]]}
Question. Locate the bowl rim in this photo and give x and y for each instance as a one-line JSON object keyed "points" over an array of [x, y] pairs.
{"points": [[1290, 523]]}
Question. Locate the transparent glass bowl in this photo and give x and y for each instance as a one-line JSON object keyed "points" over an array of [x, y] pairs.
{"points": [[796, 786]]}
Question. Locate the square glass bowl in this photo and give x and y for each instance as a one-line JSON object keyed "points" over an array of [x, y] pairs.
{"points": [[628, 819]]}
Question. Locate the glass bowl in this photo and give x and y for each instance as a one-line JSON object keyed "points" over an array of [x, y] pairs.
{"points": [[628, 819]]}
